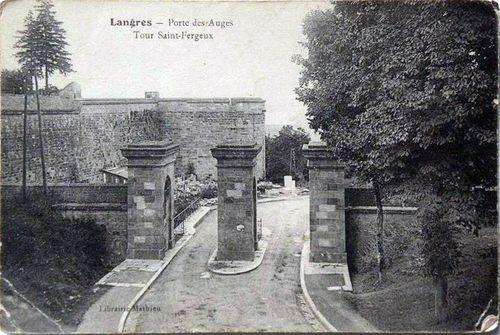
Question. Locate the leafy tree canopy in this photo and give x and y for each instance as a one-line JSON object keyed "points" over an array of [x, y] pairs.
{"points": [[404, 92], [13, 81], [29, 52], [42, 44], [405, 89], [284, 154], [54, 56]]}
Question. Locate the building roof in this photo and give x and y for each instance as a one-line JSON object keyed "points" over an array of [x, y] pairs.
{"points": [[120, 171]]}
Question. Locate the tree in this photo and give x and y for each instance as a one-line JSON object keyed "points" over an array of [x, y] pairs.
{"points": [[404, 93], [54, 56], [284, 154], [29, 58], [42, 51], [13, 82]]}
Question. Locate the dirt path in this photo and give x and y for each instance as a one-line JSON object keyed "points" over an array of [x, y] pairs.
{"points": [[266, 299]]}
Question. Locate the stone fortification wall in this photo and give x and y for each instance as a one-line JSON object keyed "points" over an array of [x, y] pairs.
{"points": [[198, 125], [83, 136], [105, 126]]}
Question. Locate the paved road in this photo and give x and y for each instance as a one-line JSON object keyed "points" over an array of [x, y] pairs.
{"points": [[266, 299]]}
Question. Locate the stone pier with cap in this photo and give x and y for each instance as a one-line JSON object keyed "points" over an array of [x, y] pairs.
{"points": [[237, 201], [327, 205], [150, 198]]}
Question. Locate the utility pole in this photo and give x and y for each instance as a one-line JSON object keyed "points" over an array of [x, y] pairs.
{"points": [[25, 126], [40, 136]]}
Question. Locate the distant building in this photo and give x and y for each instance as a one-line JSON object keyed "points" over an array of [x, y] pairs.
{"points": [[152, 95], [116, 175]]}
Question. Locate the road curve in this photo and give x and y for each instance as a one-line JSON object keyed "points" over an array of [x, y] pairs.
{"points": [[266, 299]]}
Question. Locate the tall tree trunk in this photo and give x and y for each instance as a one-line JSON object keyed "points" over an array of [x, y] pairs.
{"points": [[46, 81], [40, 137], [441, 299], [25, 124], [380, 231]]}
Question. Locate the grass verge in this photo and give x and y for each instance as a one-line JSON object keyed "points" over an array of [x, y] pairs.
{"points": [[405, 300]]}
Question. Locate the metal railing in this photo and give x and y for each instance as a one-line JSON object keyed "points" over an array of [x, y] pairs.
{"points": [[183, 215]]}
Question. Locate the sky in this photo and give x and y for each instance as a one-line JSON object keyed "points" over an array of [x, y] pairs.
{"points": [[249, 57]]}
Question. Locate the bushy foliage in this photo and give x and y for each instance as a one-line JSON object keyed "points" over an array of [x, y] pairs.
{"points": [[440, 248], [49, 257], [13, 81], [189, 190], [284, 154]]}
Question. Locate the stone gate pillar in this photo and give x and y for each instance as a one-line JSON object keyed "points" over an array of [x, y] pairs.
{"points": [[326, 205], [237, 225], [150, 198]]}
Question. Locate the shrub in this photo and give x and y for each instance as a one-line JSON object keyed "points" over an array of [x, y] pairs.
{"points": [[50, 258], [209, 190]]}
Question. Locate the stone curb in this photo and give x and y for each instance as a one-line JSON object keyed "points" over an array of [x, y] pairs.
{"points": [[168, 258], [297, 197], [321, 318], [241, 266]]}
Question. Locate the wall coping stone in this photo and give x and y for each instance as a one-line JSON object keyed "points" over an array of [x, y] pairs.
{"points": [[234, 151], [65, 185], [246, 99], [319, 156], [98, 101], [116, 101], [152, 151], [385, 209], [43, 112], [88, 207]]}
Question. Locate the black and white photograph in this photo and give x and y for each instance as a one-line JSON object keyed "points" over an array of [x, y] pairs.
{"points": [[283, 166]]}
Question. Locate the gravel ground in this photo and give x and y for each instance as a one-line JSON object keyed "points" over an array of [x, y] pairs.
{"points": [[266, 299]]}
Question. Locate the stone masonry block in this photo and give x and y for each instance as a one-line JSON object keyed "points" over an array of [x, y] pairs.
{"points": [[139, 239], [149, 212], [149, 185], [234, 193], [239, 186], [327, 208], [327, 215]]}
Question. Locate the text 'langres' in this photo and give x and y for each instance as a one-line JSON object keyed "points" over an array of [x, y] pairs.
{"points": [[171, 22]]}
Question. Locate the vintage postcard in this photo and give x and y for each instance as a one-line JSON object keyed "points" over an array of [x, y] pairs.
{"points": [[249, 166]]}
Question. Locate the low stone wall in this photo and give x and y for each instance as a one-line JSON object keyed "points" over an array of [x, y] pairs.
{"points": [[113, 216], [73, 193], [359, 196], [401, 229]]}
